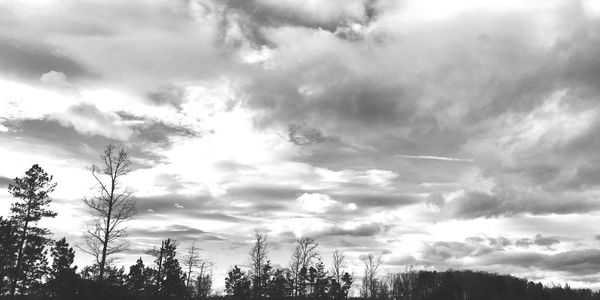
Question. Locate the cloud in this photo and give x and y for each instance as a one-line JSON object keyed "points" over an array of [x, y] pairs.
{"points": [[29, 60], [475, 204], [176, 231], [87, 119], [577, 262], [353, 230], [321, 203], [5, 181]]}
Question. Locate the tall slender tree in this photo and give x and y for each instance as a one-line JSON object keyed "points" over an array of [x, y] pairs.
{"points": [[258, 259], [369, 283], [304, 255], [190, 260], [338, 265], [32, 192], [111, 206]]}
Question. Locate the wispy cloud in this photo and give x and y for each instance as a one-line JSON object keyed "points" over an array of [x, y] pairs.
{"points": [[429, 157]]}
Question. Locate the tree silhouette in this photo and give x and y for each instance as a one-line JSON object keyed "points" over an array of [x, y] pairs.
{"points": [[8, 252], [63, 280], [139, 279], [369, 283], [174, 279], [204, 281], [32, 192], [237, 284], [258, 260], [111, 206], [304, 255]]}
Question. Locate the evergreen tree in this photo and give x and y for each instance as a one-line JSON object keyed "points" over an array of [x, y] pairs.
{"points": [[138, 278], [169, 279], [63, 280], [30, 261], [237, 284], [279, 285], [8, 252]]}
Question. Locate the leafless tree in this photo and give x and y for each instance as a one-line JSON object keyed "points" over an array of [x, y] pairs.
{"points": [[369, 283], [112, 205], [304, 254], [258, 259], [205, 277], [338, 265], [191, 260]]}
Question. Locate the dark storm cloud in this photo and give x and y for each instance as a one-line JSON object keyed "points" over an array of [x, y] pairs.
{"points": [[265, 192], [364, 230], [65, 139], [93, 131], [480, 204], [281, 13], [175, 231], [443, 251], [545, 241], [539, 240], [304, 136], [576, 262], [31, 60]]}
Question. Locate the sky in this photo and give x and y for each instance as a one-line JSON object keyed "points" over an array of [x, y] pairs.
{"points": [[439, 134]]}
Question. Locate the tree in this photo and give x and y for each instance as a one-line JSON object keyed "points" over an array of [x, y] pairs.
{"points": [[204, 281], [174, 279], [369, 284], [63, 276], [319, 280], [190, 260], [338, 265], [279, 285], [169, 279], [237, 284], [111, 206], [8, 252], [33, 192], [139, 279], [258, 260], [304, 255]]}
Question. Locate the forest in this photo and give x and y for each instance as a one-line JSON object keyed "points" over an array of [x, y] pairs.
{"points": [[33, 265]]}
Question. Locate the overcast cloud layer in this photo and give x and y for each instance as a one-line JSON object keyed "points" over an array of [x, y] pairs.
{"points": [[438, 134]]}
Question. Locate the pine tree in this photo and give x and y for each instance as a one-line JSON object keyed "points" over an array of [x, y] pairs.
{"points": [[169, 279], [30, 263], [63, 280], [237, 284], [137, 279], [8, 252], [279, 285]]}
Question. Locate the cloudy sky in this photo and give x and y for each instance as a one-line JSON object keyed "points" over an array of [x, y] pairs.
{"points": [[439, 134]]}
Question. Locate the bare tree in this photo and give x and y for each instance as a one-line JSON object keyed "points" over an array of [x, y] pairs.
{"points": [[258, 259], [369, 284], [111, 206], [338, 265], [191, 260], [304, 254], [205, 278]]}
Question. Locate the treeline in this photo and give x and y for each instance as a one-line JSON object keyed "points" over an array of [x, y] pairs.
{"points": [[455, 285], [34, 266]]}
